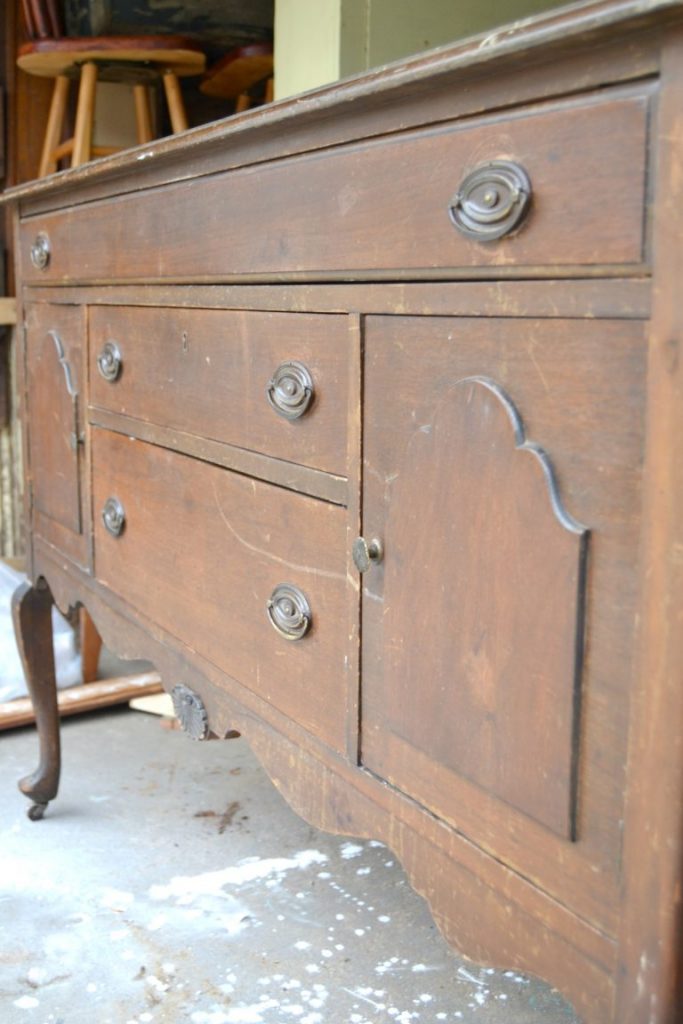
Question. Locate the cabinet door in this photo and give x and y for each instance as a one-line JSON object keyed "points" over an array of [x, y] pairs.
{"points": [[54, 371], [501, 473]]}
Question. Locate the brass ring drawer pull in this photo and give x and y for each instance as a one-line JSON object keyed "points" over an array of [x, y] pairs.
{"points": [[114, 516], [290, 390], [289, 611], [109, 361], [491, 201], [40, 251]]}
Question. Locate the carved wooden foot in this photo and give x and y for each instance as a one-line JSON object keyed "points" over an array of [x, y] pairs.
{"points": [[32, 615]]}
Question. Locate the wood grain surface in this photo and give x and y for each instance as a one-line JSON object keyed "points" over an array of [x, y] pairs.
{"points": [[379, 206], [227, 540], [206, 372], [498, 699]]}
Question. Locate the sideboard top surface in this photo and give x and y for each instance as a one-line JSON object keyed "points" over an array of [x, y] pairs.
{"points": [[387, 99]]}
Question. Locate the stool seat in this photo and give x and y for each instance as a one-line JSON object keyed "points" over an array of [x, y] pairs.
{"points": [[49, 58], [238, 71], [135, 59]]}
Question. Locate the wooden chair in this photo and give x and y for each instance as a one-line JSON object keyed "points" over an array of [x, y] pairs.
{"points": [[139, 60], [233, 76]]}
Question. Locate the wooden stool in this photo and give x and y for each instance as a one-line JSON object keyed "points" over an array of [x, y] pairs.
{"points": [[136, 59], [235, 74]]}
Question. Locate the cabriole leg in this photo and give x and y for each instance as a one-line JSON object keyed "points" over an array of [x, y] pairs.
{"points": [[32, 615]]}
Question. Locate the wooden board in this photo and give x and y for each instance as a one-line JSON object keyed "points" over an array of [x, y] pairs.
{"points": [[79, 699]]}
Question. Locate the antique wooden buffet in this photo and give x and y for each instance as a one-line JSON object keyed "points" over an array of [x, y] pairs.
{"points": [[360, 416]]}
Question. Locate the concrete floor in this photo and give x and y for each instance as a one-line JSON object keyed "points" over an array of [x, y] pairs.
{"points": [[171, 883]]}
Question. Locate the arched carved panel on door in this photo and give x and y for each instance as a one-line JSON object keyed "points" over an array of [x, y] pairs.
{"points": [[483, 622]]}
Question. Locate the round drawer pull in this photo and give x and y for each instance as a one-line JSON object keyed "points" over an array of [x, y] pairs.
{"points": [[40, 251], [290, 390], [492, 201], [109, 361], [289, 611], [114, 516], [367, 553]]}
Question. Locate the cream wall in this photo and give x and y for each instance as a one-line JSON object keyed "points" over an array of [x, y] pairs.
{"points": [[319, 41], [307, 44]]}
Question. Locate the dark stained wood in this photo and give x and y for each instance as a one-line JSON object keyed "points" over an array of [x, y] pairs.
{"points": [[619, 299], [54, 357], [262, 467], [32, 615], [549, 58], [560, 375], [327, 790], [348, 210], [651, 936], [354, 437], [36, 17], [243, 539], [206, 372], [483, 674], [501, 705]]}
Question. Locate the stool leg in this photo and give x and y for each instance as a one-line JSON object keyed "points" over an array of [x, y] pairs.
{"points": [[269, 91], [91, 645], [55, 123], [143, 116], [85, 114], [242, 103], [176, 107]]}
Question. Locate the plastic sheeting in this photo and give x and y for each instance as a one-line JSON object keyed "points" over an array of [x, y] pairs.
{"points": [[67, 658]]}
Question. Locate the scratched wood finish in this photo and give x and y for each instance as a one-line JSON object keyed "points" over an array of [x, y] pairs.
{"points": [[335, 203], [622, 298], [532, 64], [55, 339], [483, 674], [651, 934], [560, 375], [503, 919], [349, 210], [241, 538], [205, 372]]}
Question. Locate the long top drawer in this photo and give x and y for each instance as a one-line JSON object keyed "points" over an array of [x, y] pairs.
{"points": [[386, 207]]}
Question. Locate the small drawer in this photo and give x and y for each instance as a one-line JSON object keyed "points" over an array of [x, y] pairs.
{"points": [[381, 208], [249, 574], [275, 383]]}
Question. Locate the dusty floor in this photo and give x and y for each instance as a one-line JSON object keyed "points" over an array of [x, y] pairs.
{"points": [[171, 883]]}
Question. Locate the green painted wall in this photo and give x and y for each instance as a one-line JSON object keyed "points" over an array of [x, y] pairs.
{"points": [[307, 44], [319, 41]]}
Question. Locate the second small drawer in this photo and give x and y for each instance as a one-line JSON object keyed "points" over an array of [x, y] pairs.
{"points": [[275, 383]]}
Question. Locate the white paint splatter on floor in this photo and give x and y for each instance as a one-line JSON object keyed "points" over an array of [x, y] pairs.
{"points": [[184, 888], [307, 932]]}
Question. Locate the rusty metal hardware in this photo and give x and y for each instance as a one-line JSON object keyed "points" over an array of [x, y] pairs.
{"points": [[109, 361], [289, 611], [114, 516], [190, 712], [290, 390], [40, 251], [491, 201], [367, 554]]}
